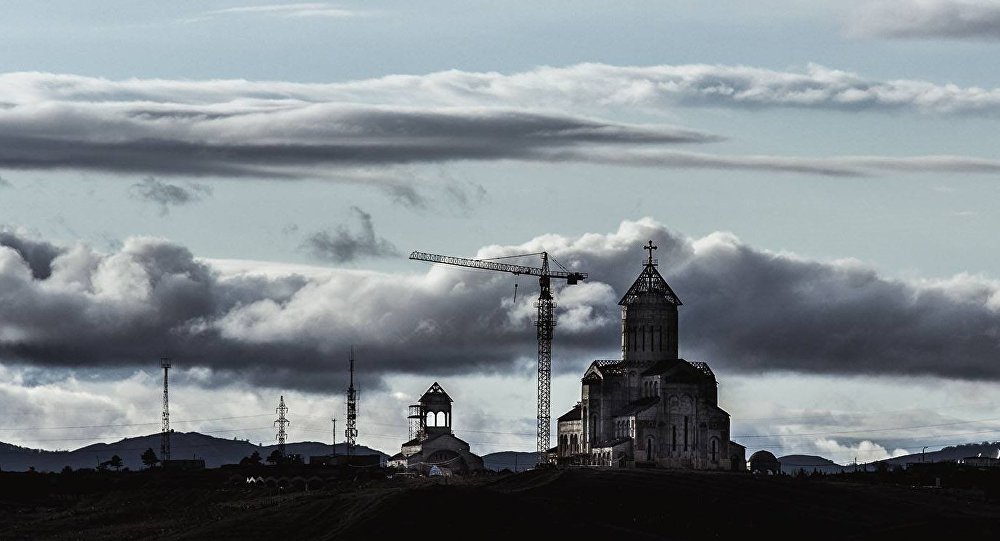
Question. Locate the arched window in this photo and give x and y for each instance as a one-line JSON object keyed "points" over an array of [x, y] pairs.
{"points": [[430, 418], [656, 388], [685, 432], [715, 458], [442, 420]]}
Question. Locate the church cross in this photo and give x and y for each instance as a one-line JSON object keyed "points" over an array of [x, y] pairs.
{"points": [[650, 247]]}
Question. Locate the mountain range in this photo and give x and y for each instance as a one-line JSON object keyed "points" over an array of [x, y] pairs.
{"points": [[183, 445], [219, 451]]}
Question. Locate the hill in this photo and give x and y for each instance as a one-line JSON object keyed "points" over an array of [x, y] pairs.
{"points": [[514, 461], [793, 464], [580, 503], [214, 451]]}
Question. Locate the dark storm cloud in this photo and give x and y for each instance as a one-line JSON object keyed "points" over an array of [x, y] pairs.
{"points": [[343, 245], [38, 255], [167, 194], [746, 310], [297, 142], [281, 130], [928, 19]]}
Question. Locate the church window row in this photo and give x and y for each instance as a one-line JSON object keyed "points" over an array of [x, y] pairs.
{"points": [[570, 444], [651, 388], [625, 428], [439, 419], [635, 338]]}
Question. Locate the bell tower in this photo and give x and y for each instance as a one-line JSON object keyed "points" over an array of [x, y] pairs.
{"points": [[435, 408], [649, 317]]}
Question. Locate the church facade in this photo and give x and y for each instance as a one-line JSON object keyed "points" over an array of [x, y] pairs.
{"points": [[650, 408]]}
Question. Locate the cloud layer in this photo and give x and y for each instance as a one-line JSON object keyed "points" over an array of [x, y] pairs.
{"points": [[239, 128], [166, 194], [916, 19], [746, 310], [343, 245]]}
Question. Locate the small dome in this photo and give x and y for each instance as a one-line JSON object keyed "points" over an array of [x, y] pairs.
{"points": [[764, 462]]}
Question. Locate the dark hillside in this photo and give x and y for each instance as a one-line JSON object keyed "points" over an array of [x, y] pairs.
{"points": [[565, 504]]}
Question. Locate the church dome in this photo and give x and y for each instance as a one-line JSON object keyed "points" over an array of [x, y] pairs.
{"points": [[764, 462]]}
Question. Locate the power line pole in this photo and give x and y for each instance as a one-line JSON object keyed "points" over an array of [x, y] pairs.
{"points": [[165, 425], [351, 433], [334, 436], [282, 422]]}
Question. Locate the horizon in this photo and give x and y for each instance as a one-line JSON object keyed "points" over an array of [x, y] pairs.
{"points": [[820, 181]]}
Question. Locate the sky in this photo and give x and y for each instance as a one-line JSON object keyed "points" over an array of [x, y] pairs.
{"points": [[237, 185]]}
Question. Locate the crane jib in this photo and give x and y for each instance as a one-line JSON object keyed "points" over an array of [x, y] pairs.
{"points": [[571, 277]]}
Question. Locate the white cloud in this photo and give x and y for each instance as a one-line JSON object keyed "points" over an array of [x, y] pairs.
{"points": [[745, 309], [310, 10]]}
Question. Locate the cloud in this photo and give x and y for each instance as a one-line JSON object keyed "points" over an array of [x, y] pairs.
{"points": [[166, 194], [342, 245], [928, 19], [353, 131], [4, 183], [311, 10], [746, 310]]}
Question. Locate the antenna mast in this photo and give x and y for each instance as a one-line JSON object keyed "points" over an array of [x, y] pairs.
{"points": [[351, 433], [165, 428], [282, 422]]}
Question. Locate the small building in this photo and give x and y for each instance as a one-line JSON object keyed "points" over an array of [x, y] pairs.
{"points": [[981, 462], [433, 445], [764, 463]]}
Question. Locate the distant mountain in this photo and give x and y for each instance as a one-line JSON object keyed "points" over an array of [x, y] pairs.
{"points": [[183, 445], [792, 464], [511, 460], [950, 454]]}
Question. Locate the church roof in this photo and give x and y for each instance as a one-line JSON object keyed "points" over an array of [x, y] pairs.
{"points": [[435, 394], [574, 414], [681, 371], [609, 366], [638, 405], [650, 282]]}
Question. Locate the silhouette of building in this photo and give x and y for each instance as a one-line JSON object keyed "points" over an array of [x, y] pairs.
{"points": [[649, 408], [764, 462], [434, 444]]}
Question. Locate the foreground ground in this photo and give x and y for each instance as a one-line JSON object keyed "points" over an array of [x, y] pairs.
{"points": [[573, 503]]}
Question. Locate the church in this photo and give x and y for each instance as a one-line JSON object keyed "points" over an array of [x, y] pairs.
{"points": [[432, 445], [650, 408]]}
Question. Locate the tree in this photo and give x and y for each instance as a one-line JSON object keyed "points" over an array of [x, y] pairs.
{"points": [[115, 462], [149, 458], [252, 460], [66, 469], [275, 457]]}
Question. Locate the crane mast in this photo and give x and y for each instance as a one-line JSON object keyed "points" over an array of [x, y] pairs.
{"points": [[545, 322]]}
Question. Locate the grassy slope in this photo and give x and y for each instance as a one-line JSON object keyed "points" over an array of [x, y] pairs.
{"points": [[583, 504]]}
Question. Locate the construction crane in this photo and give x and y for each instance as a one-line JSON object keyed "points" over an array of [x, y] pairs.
{"points": [[544, 323]]}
